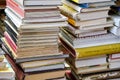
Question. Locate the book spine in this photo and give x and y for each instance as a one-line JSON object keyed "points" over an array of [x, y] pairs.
{"points": [[10, 41], [14, 6], [97, 50], [76, 1], [69, 12]]}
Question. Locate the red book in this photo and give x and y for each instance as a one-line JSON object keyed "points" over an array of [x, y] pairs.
{"points": [[10, 42], [14, 6]]}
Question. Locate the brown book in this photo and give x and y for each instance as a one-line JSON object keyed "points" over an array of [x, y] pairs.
{"points": [[18, 70]]}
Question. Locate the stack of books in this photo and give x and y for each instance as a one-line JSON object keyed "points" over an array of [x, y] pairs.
{"points": [[87, 38], [6, 71], [31, 39]]}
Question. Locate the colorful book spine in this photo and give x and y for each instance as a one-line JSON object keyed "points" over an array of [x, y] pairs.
{"points": [[97, 50]]}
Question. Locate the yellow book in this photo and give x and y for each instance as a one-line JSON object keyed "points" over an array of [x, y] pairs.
{"points": [[68, 11], [77, 1], [88, 1], [97, 50], [1, 58], [72, 21]]}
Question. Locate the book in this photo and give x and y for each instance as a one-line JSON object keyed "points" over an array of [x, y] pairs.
{"points": [[114, 61], [31, 12], [88, 7], [79, 30], [91, 22], [58, 66], [116, 19], [46, 75], [80, 52], [89, 61], [88, 1], [36, 2], [71, 13], [115, 30], [39, 63], [90, 69]]}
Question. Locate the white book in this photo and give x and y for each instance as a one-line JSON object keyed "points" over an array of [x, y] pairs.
{"points": [[114, 65], [43, 68], [116, 19], [38, 2], [90, 61], [96, 40], [115, 30]]}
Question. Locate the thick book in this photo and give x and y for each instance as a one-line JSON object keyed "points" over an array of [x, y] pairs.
{"points": [[71, 13], [58, 66], [37, 63], [88, 7], [88, 23], [77, 33], [89, 61], [38, 2]]}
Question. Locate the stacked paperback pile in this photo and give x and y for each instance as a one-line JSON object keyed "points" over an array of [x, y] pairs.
{"points": [[31, 39], [87, 38], [115, 14]]}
